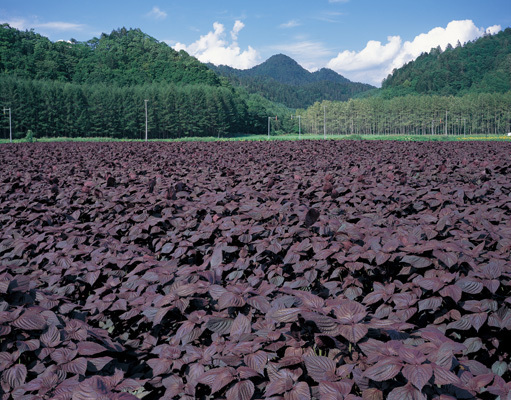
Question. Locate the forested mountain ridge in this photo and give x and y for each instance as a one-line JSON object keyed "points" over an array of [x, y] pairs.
{"points": [[124, 57], [98, 88], [282, 69], [481, 66], [282, 79]]}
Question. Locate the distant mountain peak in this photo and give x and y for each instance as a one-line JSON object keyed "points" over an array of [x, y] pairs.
{"points": [[280, 78]]}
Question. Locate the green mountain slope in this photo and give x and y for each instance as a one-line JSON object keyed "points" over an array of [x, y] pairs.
{"points": [[282, 79], [124, 57], [482, 66]]}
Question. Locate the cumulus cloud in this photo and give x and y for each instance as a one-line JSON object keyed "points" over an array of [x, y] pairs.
{"points": [[156, 13], [373, 63], [214, 48]]}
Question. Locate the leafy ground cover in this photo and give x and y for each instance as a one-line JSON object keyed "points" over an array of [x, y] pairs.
{"points": [[248, 270]]}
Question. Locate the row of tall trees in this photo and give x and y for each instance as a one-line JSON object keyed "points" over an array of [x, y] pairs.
{"points": [[56, 109], [485, 113]]}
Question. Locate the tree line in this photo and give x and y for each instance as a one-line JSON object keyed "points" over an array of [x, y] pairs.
{"points": [[56, 109], [476, 113], [98, 88]]}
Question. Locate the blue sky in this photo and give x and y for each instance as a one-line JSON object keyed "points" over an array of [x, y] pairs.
{"points": [[360, 39]]}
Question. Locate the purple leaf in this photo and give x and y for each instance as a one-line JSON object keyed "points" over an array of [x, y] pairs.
{"points": [[257, 361], [383, 370], [94, 388], [325, 324], [15, 376], [350, 311], [411, 355], [98, 363], [63, 355], [217, 378], [160, 366], [240, 326], [51, 338], [320, 368], [279, 386], [470, 285], [416, 261], [372, 394], [219, 325], [90, 348], [30, 320], [243, 390], [444, 377], [229, 299], [418, 375], [452, 291], [300, 391], [430, 303], [335, 390], [217, 257], [407, 392], [285, 315], [353, 332], [75, 367]]}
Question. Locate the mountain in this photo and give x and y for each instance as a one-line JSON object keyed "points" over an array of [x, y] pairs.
{"points": [[481, 66], [124, 57], [282, 79], [100, 88]]}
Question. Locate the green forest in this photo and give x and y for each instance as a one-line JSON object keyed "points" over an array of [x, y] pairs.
{"points": [[98, 88], [481, 66], [461, 90], [281, 79], [475, 113]]}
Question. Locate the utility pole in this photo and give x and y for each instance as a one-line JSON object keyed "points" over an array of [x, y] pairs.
{"points": [[145, 101], [269, 119], [299, 125], [10, 125], [324, 121]]}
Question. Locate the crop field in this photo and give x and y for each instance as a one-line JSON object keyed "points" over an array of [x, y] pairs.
{"points": [[249, 270]]}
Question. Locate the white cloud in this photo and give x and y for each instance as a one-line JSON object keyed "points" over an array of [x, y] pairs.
{"points": [[214, 48], [60, 26], [156, 13], [18, 23], [329, 16], [308, 53], [373, 63], [22, 24], [290, 24], [492, 30], [238, 26]]}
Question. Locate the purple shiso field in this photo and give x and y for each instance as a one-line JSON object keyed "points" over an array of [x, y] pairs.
{"points": [[272, 270]]}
